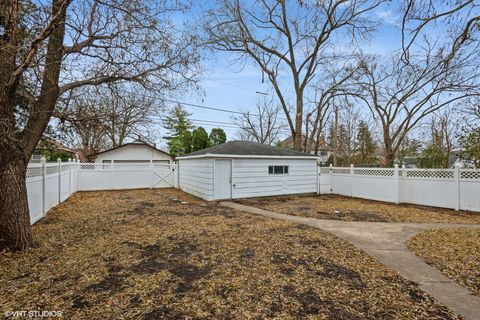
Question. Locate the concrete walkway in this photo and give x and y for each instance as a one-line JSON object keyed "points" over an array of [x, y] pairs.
{"points": [[387, 243]]}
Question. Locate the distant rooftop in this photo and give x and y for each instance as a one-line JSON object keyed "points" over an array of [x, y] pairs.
{"points": [[246, 148], [134, 142]]}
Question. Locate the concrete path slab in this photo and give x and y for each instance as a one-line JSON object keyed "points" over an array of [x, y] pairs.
{"points": [[386, 242]]}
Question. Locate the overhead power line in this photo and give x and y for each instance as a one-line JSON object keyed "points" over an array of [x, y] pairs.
{"points": [[202, 107], [237, 86], [213, 108]]}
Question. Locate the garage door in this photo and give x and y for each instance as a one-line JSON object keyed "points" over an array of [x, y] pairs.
{"points": [[223, 179]]}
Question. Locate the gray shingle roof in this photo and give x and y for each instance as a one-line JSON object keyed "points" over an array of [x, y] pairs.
{"points": [[244, 148]]}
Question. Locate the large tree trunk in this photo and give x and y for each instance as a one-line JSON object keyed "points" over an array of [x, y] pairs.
{"points": [[17, 147], [15, 230], [390, 151], [389, 156]]}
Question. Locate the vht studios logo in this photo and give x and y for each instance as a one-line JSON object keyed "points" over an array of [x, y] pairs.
{"points": [[33, 314]]}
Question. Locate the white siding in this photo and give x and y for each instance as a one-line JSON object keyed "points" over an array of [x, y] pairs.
{"points": [[251, 178], [133, 152], [196, 177]]}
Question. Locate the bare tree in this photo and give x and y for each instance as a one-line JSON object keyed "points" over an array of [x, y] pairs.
{"points": [[343, 139], [462, 18], [442, 131], [81, 125], [47, 51], [401, 95], [434, 69], [126, 112], [471, 109], [264, 126], [104, 116], [291, 39], [329, 85], [448, 126]]}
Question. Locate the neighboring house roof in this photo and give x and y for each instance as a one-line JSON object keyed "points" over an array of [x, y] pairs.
{"points": [[246, 149], [135, 142]]}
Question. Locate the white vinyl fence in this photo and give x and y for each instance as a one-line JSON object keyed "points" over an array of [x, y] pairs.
{"points": [[457, 188], [49, 184]]}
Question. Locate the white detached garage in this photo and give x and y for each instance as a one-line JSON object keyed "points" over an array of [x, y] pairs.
{"points": [[240, 169], [136, 152]]}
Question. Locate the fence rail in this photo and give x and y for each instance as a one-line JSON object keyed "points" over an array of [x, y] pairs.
{"points": [[457, 188]]}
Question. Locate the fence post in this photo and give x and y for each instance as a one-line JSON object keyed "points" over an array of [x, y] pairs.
{"points": [[331, 178], [397, 182], [44, 185], [77, 171], [152, 174], [402, 181], [456, 175], [112, 172], [69, 176], [176, 176], [59, 161], [351, 180]]}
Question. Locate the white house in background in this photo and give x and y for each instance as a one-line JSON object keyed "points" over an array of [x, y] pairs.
{"points": [[135, 152], [241, 169]]}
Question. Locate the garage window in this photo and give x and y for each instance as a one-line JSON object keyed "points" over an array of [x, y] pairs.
{"points": [[277, 169]]}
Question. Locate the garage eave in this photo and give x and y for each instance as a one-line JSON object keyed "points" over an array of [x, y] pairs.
{"points": [[237, 156]]}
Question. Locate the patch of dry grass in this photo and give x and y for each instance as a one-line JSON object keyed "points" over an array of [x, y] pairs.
{"points": [[353, 209], [151, 254], [455, 252]]}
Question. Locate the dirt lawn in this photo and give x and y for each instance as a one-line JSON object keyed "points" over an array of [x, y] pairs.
{"points": [[151, 254], [354, 209], [455, 252]]}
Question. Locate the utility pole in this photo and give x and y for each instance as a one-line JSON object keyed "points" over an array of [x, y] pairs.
{"points": [[335, 137]]}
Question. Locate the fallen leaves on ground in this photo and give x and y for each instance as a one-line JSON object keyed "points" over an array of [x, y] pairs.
{"points": [[152, 254], [336, 207], [455, 252]]}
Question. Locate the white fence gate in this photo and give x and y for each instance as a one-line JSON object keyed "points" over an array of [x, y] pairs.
{"points": [[49, 184], [457, 188], [107, 176]]}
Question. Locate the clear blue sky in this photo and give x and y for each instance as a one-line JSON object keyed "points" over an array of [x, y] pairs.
{"points": [[230, 87]]}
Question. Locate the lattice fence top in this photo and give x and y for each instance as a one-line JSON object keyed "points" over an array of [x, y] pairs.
{"points": [[470, 174], [88, 166], [465, 174], [419, 173], [34, 172], [374, 172]]}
